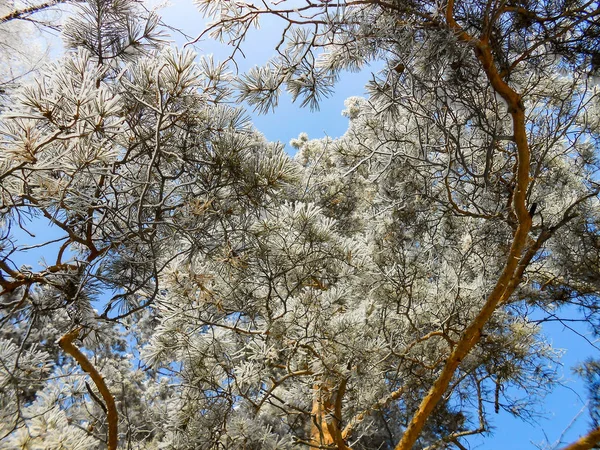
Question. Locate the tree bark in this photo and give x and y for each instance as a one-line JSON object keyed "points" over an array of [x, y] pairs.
{"points": [[66, 343], [327, 416], [586, 442]]}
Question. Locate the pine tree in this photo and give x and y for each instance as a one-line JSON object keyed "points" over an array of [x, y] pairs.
{"points": [[124, 147], [23, 47], [480, 123], [207, 290]]}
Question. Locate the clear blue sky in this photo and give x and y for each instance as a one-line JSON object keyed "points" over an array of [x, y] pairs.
{"points": [[289, 120]]}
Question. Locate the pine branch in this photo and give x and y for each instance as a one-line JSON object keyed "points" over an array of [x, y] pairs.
{"points": [[23, 13], [66, 343]]}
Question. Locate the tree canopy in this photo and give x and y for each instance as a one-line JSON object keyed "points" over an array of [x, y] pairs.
{"points": [[380, 290]]}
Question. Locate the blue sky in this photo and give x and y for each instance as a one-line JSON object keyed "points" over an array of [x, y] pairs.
{"points": [[289, 120], [286, 123]]}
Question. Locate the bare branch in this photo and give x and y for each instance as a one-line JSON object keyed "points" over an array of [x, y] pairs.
{"points": [[66, 343]]}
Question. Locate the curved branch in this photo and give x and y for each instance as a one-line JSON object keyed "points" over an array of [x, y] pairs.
{"points": [[66, 343], [509, 279], [586, 442]]}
